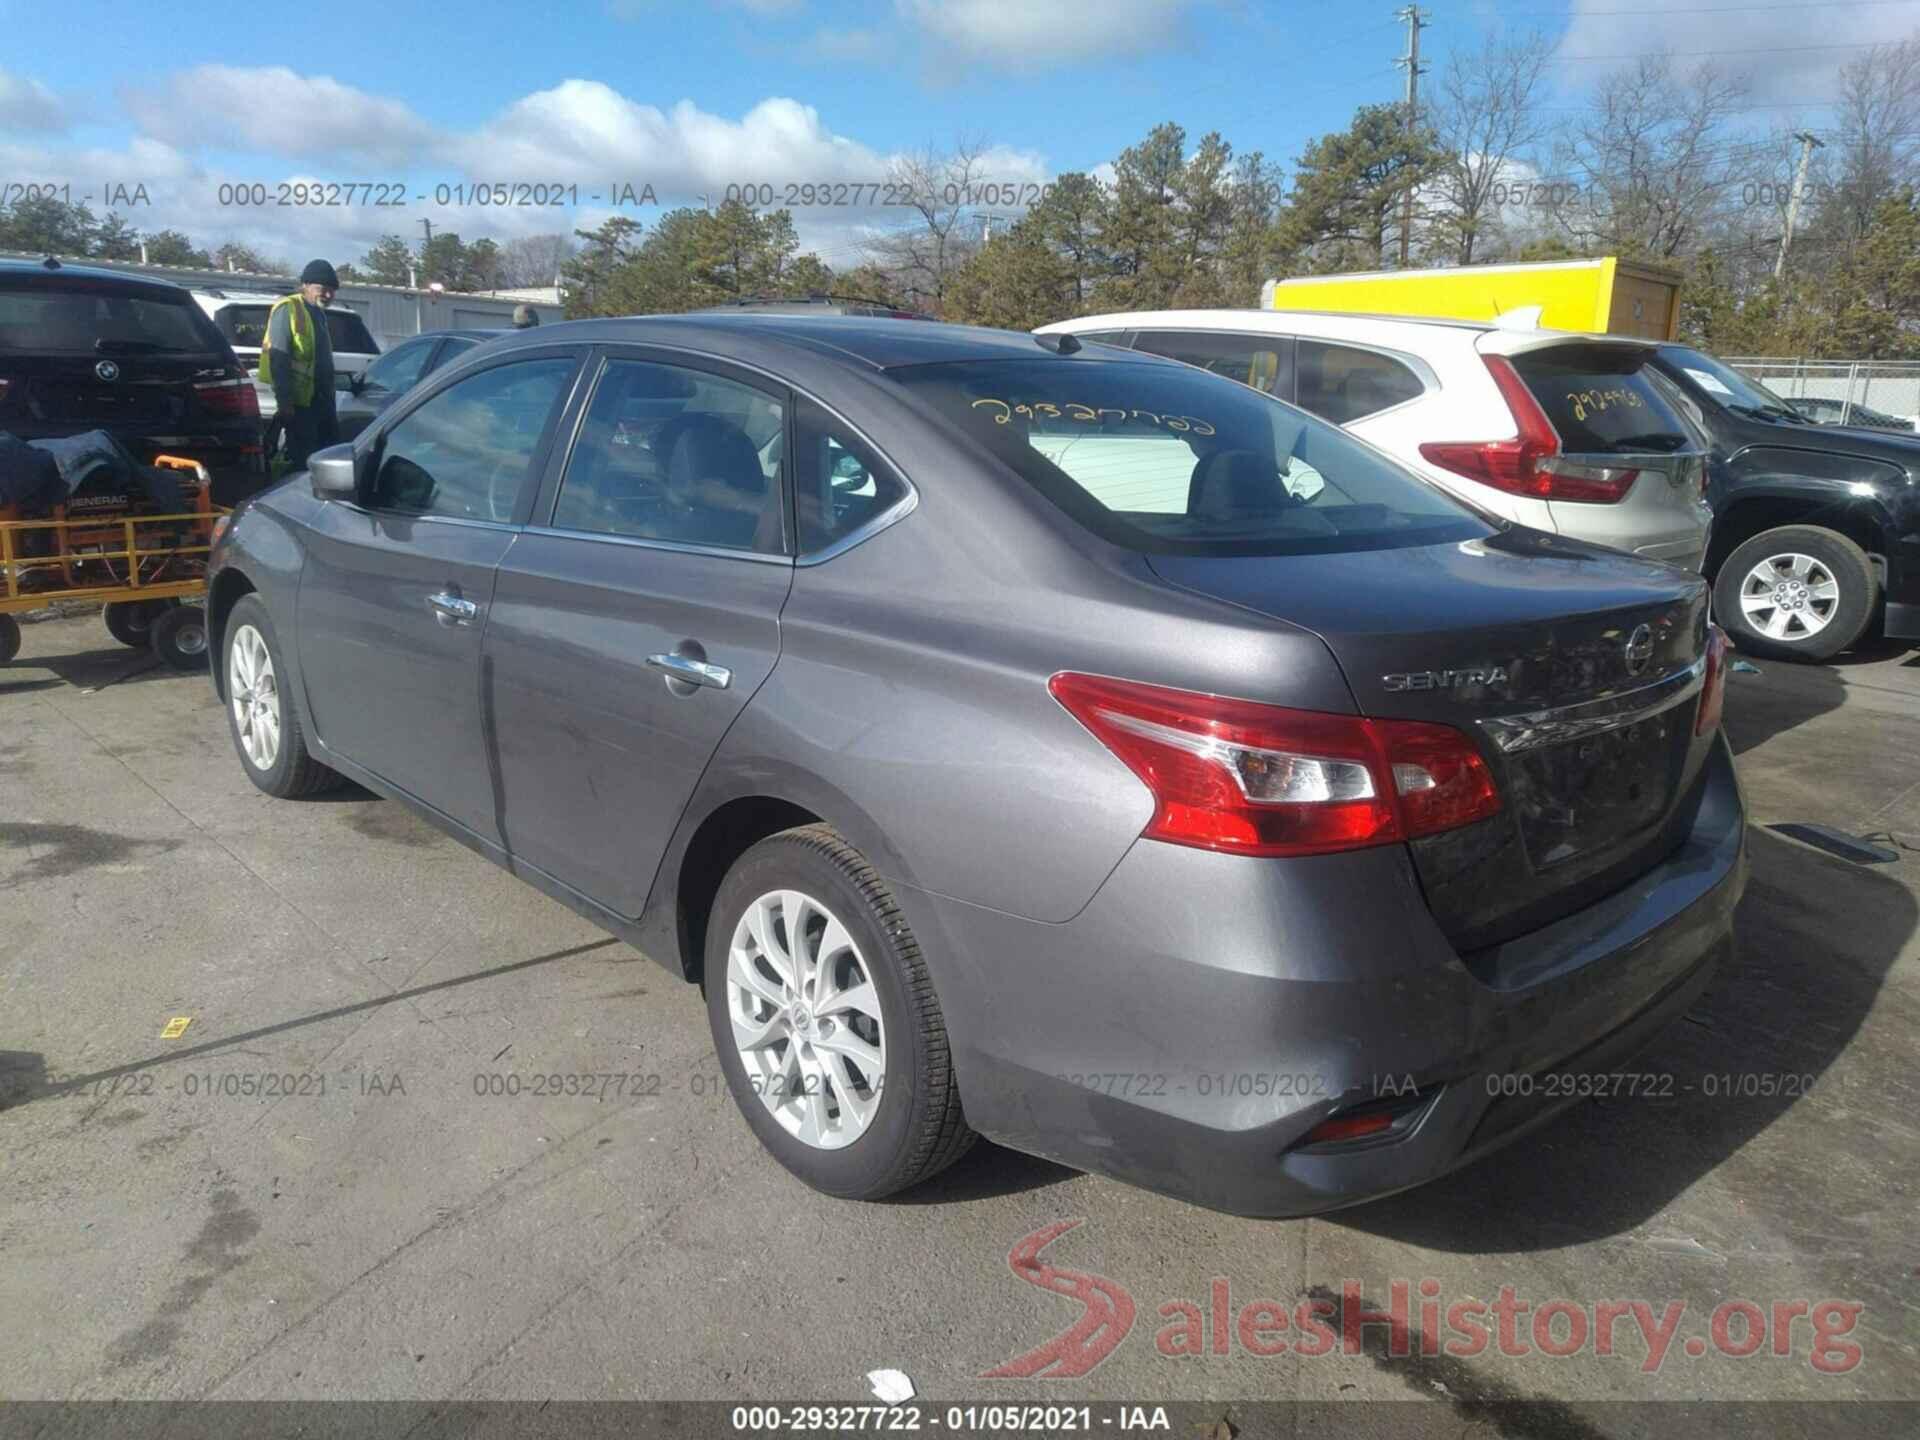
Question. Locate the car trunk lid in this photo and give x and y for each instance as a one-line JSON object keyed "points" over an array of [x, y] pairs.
{"points": [[1576, 671]]}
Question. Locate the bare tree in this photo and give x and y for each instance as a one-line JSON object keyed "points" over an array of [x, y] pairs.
{"points": [[534, 260], [1487, 117], [1650, 162], [1877, 135], [941, 190]]}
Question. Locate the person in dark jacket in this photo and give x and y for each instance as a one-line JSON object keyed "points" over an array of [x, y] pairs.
{"points": [[525, 317], [296, 357]]}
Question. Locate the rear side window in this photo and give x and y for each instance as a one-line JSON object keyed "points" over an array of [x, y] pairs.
{"points": [[1601, 400], [48, 318], [349, 332], [1167, 460], [1264, 362], [840, 483], [1343, 384]]}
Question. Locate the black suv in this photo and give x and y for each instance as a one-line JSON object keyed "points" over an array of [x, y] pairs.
{"points": [[1812, 524], [87, 349]]}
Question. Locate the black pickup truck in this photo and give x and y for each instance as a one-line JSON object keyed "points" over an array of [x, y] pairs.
{"points": [[1813, 525]]}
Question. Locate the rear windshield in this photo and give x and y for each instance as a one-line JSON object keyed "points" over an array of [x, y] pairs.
{"points": [[245, 324], [1169, 460], [43, 318], [1601, 400]]}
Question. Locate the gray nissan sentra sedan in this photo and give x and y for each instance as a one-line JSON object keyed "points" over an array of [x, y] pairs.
{"points": [[1015, 737]]}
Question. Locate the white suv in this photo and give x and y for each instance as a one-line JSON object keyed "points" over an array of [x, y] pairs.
{"points": [[242, 318], [1566, 433]]}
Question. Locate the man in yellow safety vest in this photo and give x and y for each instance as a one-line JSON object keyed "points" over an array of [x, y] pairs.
{"points": [[296, 358]]}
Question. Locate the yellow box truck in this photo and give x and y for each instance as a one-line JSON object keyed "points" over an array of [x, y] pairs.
{"points": [[1607, 296]]}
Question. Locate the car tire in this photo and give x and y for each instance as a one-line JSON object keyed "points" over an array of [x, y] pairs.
{"points": [[1798, 592], [260, 715], [131, 621], [9, 638], [179, 637], [867, 1136]]}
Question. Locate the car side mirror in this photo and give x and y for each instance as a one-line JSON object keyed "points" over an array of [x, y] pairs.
{"points": [[334, 473], [357, 383]]}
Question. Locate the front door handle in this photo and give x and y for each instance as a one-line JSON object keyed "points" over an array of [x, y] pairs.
{"points": [[693, 672], [450, 609]]}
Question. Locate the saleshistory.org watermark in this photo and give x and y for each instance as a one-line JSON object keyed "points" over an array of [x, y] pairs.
{"points": [[1416, 1318]]}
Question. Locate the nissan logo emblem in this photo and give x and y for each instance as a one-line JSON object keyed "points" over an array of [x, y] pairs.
{"points": [[1639, 649], [107, 370]]}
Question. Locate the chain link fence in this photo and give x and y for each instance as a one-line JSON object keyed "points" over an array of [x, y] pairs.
{"points": [[1836, 389]]}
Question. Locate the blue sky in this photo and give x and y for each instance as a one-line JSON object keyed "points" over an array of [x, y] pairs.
{"points": [[690, 98]]}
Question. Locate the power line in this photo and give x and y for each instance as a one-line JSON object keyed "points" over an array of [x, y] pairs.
{"points": [[1700, 54], [1710, 9]]}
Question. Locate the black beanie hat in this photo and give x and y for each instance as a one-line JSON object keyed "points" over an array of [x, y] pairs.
{"points": [[319, 272]]}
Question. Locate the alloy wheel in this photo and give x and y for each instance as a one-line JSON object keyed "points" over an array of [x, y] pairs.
{"points": [[255, 697], [1789, 597], [806, 1019]]}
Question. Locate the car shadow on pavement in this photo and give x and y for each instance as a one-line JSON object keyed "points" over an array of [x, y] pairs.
{"points": [[1815, 938], [112, 664], [986, 1172], [1781, 697]]}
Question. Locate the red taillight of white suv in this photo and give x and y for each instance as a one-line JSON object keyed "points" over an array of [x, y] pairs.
{"points": [[1531, 463], [1256, 779], [228, 397]]}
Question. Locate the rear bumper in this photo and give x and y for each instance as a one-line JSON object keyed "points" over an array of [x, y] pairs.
{"points": [[1188, 1028], [1689, 553]]}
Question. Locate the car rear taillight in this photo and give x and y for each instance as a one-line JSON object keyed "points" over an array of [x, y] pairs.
{"points": [[1252, 779], [228, 397], [1531, 463], [1713, 693]]}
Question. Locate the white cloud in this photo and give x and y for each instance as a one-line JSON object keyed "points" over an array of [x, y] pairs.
{"points": [[1793, 64], [27, 105], [588, 132], [1045, 34], [273, 109], [578, 132]]}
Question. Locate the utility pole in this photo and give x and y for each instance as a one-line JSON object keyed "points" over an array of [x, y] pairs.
{"points": [[1808, 144], [1416, 20]]}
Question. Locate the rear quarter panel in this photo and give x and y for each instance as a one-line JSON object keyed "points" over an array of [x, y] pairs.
{"points": [[910, 707]]}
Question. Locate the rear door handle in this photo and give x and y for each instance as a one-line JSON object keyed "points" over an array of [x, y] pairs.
{"points": [[450, 609], [694, 672]]}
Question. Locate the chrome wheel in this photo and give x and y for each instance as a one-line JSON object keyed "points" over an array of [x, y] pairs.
{"points": [[1789, 597], [806, 1019], [191, 639], [255, 696]]}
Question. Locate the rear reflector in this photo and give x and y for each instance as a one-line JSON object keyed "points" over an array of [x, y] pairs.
{"points": [[1349, 1127], [228, 397], [1531, 463], [1252, 779], [1713, 693]]}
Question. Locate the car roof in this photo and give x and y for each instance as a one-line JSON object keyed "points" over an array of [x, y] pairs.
{"points": [[1410, 333], [777, 340], [90, 273], [1291, 322]]}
